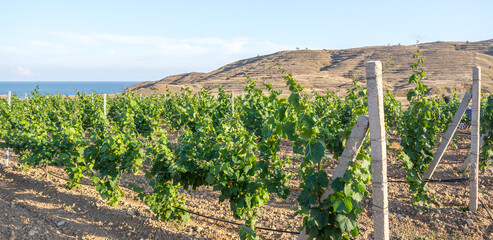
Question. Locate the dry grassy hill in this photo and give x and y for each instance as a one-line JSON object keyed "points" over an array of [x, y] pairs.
{"points": [[448, 66]]}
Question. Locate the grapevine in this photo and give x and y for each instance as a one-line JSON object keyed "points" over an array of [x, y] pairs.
{"points": [[420, 124], [236, 152]]}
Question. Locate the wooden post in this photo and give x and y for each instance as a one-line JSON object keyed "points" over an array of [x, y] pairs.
{"points": [[7, 151], [353, 145], [466, 162], [448, 135], [475, 118], [233, 102], [378, 150], [104, 103], [25, 95]]}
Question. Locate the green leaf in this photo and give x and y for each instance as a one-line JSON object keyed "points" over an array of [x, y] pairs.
{"points": [[294, 99], [315, 151], [289, 129], [308, 121], [355, 232], [307, 134], [343, 205], [210, 179], [358, 196], [298, 146], [345, 223], [337, 185], [348, 190], [320, 218]]}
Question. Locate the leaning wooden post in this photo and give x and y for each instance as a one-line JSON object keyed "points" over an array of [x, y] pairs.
{"points": [[104, 103], [475, 118], [448, 135], [378, 150], [7, 151], [353, 145]]}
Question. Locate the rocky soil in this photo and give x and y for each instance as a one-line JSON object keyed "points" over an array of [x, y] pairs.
{"points": [[35, 207]]}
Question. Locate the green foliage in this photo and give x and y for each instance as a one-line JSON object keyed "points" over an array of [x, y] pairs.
{"points": [[315, 129], [215, 148], [486, 128], [421, 122], [392, 109], [236, 152]]}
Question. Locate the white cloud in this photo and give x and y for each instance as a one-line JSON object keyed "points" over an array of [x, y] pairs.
{"points": [[47, 44], [22, 71], [138, 52], [10, 49], [172, 46], [86, 39], [201, 41], [237, 45]]}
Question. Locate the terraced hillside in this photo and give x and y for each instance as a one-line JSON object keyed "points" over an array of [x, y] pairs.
{"points": [[448, 67]]}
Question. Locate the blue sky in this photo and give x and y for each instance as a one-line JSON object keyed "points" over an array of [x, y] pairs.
{"points": [[148, 40]]}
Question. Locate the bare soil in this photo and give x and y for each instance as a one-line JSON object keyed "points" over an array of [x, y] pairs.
{"points": [[34, 207]]}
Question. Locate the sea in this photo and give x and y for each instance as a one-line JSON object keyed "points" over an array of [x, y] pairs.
{"points": [[63, 87]]}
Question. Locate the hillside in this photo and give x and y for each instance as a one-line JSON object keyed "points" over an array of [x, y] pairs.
{"points": [[448, 66]]}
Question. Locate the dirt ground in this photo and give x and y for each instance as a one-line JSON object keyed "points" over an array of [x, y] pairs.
{"points": [[33, 207]]}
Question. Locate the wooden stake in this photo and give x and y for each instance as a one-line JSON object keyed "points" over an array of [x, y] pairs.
{"points": [[104, 103], [7, 151], [378, 150], [233, 102], [466, 162], [476, 108], [353, 145], [448, 135]]}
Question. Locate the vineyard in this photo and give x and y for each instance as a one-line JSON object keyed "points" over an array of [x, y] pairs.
{"points": [[248, 149]]}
